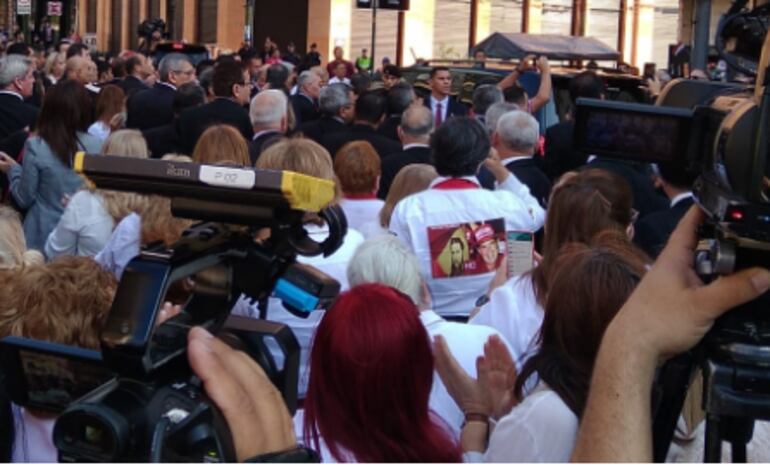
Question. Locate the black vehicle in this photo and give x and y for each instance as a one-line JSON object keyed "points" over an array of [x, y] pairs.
{"points": [[195, 52], [503, 51]]}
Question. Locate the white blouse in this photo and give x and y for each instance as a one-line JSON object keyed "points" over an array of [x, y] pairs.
{"points": [[513, 310], [540, 429], [84, 227]]}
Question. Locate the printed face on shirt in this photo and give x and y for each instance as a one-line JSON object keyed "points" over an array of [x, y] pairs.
{"points": [[489, 253], [456, 252]]}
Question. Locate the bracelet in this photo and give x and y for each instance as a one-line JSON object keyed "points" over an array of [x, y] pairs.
{"points": [[476, 417]]}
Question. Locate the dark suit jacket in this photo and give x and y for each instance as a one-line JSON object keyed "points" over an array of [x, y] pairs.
{"points": [[559, 155], [304, 109], [162, 140], [529, 172], [15, 115], [455, 108], [317, 129], [193, 121], [132, 85], [394, 162], [383, 145], [151, 108], [652, 232], [646, 198], [257, 145], [389, 127]]}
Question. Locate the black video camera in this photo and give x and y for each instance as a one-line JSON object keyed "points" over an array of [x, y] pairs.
{"points": [[154, 409], [148, 27], [718, 133]]}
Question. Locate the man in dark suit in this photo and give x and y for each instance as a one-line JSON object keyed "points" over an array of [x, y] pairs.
{"points": [[651, 233], [164, 139], [336, 103], [560, 157], [231, 86], [153, 107], [516, 139], [370, 110], [305, 101], [137, 70], [399, 98], [441, 104], [16, 81], [414, 133], [646, 198], [268, 119]]}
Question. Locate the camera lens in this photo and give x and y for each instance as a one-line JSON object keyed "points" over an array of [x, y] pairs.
{"points": [[97, 432]]}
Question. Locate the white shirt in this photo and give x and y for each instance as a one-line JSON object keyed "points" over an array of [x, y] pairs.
{"points": [[466, 343], [336, 80], [100, 130], [84, 228], [540, 429], [33, 438], [15, 94], [680, 197], [304, 329], [415, 145], [266, 131], [124, 244], [413, 215], [444, 107], [513, 310], [373, 229], [361, 211]]}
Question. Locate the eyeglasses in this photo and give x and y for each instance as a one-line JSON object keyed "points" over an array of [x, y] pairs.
{"points": [[186, 73]]}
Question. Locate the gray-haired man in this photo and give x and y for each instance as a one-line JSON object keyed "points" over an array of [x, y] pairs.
{"points": [[16, 81], [153, 107]]}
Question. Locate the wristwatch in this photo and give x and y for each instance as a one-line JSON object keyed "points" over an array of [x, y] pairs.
{"points": [[296, 455], [481, 301]]}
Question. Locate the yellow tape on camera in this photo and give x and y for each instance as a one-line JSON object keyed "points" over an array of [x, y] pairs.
{"points": [[306, 192]]}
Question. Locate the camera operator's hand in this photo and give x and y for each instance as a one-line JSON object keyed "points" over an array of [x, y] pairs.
{"points": [[253, 407], [669, 312]]}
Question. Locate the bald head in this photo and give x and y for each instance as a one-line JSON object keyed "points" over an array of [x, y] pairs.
{"points": [[416, 125]]}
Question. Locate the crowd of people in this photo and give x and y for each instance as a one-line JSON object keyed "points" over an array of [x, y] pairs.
{"points": [[504, 297]]}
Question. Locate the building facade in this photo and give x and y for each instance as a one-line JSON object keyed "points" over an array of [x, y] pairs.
{"points": [[112, 24], [642, 30]]}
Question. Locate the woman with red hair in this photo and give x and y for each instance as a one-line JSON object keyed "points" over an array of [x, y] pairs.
{"points": [[371, 370]]}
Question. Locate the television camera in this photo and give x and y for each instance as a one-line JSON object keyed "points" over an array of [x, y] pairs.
{"points": [[153, 408], [718, 132]]}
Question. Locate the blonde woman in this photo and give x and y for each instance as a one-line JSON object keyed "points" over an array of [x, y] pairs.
{"points": [[152, 222], [54, 68], [13, 246], [409, 180], [90, 216], [221, 145], [306, 157]]}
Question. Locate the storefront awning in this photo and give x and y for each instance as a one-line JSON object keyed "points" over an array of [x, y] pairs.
{"points": [[553, 46]]}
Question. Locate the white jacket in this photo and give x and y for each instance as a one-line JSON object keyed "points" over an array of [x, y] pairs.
{"points": [[512, 202]]}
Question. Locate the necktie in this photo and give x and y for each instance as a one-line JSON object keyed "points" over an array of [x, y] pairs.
{"points": [[439, 113]]}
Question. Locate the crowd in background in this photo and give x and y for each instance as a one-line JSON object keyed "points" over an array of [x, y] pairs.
{"points": [[433, 190]]}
